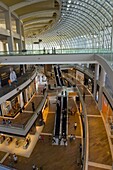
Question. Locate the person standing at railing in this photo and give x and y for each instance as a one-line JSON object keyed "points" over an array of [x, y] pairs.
{"points": [[44, 50], [13, 76]]}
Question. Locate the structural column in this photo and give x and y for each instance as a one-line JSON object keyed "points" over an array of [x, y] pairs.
{"points": [[26, 96], [21, 100], [112, 35], [96, 77], [24, 70], [9, 27], [19, 31], [102, 84]]}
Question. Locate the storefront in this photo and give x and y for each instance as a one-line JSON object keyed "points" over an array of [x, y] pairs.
{"points": [[11, 107], [107, 110]]}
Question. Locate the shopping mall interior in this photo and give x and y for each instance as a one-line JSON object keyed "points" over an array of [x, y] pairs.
{"points": [[56, 86]]}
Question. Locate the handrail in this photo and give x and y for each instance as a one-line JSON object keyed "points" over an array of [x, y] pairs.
{"points": [[58, 51], [22, 81], [37, 111], [85, 140], [85, 136], [25, 128], [4, 167]]}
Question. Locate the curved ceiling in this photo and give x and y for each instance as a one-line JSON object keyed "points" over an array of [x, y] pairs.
{"points": [[36, 15], [52, 20], [83, 18]]}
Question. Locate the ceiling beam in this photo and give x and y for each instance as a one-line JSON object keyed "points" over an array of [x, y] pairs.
{"points": [[38, 13], [46, 19], [36, 26], [23, 4]]}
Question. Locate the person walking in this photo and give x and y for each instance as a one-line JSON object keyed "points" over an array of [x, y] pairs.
{"points": [[75, 125], [64, 140], [33, 106], [15, 158], [34, 167], [20, 110], [13, 76]]}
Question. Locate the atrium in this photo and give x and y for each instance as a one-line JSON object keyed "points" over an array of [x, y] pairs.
{"points": [[56, 86]]}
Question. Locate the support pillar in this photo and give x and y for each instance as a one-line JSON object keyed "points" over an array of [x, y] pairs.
{"points": [[102, 84], [19, 31], [24, 70], [112, 36], [96, 77], [21, 100], [26, 96], [10, 39]]}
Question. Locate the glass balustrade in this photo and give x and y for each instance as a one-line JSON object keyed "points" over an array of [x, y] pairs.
{"points": [[104, 52]]}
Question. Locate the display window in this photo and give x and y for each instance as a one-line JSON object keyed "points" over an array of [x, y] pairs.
{"points": [[15, 104], [10, 108], [107, 111], [6, 108]]}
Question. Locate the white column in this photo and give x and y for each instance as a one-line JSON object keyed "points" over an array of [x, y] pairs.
{"points": [[112, 35], [22, 33], [102, 84], [26, 96], [103, 43], [96, 77], [24, 69], [19, 31], [10, 39], [87, 65], [21, 100]]}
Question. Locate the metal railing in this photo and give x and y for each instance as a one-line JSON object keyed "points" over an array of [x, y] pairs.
{"points": [[85, 135], [57, 51]]}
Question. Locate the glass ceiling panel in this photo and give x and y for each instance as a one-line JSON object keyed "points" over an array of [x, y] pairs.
{"points": [[83, 19]]}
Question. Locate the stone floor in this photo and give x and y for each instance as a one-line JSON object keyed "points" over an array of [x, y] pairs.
{"points": [[99, 153], [52, 157]]}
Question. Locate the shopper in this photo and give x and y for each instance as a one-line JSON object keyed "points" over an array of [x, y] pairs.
{"points": [[33, 106], [34, 167], [71, 138], [65, 141], [44, 89], [9, 121], [13, 76], [3, 122], [80, 148], [20, 110], [75, 125], [15, 158]]}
